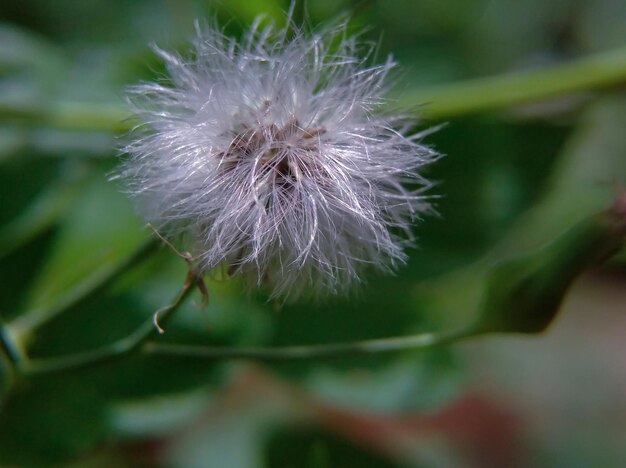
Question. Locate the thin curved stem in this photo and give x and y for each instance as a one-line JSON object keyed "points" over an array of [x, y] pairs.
{"points": [[364, 347], [115, 350], [22, 326], [138, 342]]}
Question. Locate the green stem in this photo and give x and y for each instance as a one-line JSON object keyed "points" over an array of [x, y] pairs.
{"points": [[70, 115], [113, 351], [364, 347], [483, 94], [20, 328], [439, 102]]}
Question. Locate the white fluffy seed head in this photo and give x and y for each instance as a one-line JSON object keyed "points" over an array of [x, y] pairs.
{"points": [[269, 157]]}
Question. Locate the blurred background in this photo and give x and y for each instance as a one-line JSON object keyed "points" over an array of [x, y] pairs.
{"points": [[511, 178]]}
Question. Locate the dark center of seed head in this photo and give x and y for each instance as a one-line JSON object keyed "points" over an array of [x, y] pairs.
{"points": [[269, 142]]}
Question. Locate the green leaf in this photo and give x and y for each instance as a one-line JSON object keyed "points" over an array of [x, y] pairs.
{"points": [[310, 447], [524, 294], [584, 179], [21, 48], [582, 184], [99, 229], [49, 420], [42, 213]]}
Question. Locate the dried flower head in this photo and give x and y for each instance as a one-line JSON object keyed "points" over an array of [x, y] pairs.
{"points": [[270, 157]]}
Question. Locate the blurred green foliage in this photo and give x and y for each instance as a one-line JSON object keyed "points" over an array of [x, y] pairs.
{"points": [[511, 181]]}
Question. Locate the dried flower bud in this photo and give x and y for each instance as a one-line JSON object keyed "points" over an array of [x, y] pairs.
{"points": [[272, 159]]}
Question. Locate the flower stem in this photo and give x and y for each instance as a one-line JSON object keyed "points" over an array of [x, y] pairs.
{"points": [[70, 115], [113, 351], [364, 347], [20, 328], [138, 342], [596, 71], [600, 70]]}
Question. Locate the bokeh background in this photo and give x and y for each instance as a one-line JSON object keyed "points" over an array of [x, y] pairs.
{"points": [[511, 178]]}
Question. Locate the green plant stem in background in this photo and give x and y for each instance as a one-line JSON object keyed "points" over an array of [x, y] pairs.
{"points": [[449, 100], [69, 115], [116, 350], [138, 342], [522, 295], [374, 346], [20, 328], [483, 94]]}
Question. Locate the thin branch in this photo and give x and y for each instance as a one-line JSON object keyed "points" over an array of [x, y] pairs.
{"points": [[115, 350], [596, 71], [364, 347], [20, 328], [138, 342], [69, 115], [448, 100]]}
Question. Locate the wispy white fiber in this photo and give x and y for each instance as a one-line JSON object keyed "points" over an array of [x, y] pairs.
{"points": [[269, 157]]}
